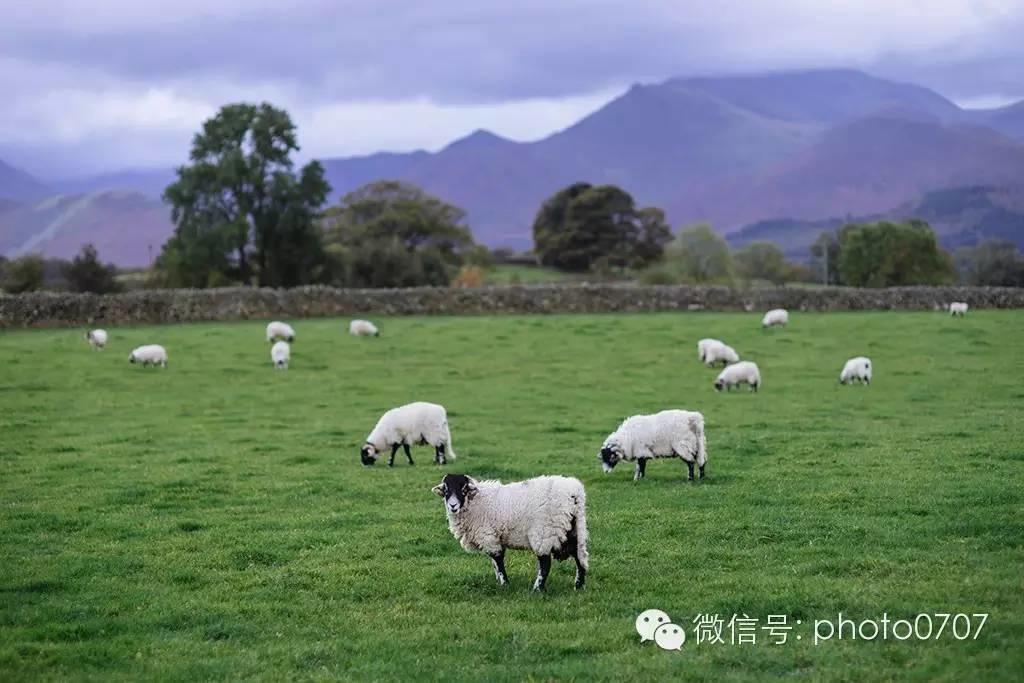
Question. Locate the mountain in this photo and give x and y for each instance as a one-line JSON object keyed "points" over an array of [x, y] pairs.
{"points": [[123, 226], [149, 182], [19, 186]]}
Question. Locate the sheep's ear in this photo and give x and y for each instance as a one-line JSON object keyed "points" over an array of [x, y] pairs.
{"points": [[470, 488], [439, 490]]}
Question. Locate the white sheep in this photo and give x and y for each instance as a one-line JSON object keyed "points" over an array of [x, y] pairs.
{"points": [[97, 339], [279, 331], [363, 328], [150, 354], [744, 372], [703, 345], [668, 434], [858, 368], [414, 423], [776, 316], [720, 351], [547, 515], [958, 308], [281, 355]]}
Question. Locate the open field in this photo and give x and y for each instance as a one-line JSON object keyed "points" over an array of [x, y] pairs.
{"points": [[212, 521]]}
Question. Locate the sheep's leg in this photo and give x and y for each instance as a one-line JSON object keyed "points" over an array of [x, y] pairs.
{"points": [[639, 472], [543, 567], [394, 449], [689, 465], [581, 572], [498, 560], [439, 455], [408, 453]]}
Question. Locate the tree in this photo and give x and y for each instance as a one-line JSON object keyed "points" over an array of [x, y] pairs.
{"points": [[23, 274], [993, 263], [701, 255], [393, 234], [583, 227], [825, 253], [85, 273], [886, 254], [762, 261], [238, 207]]}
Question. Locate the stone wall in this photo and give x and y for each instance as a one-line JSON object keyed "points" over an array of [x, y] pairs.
{"points": [[57, 309]]}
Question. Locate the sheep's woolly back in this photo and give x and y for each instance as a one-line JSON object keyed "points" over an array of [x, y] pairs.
{"points": [[720, 351], [150, 353], [776, 316], [281, 354], [856, 368], [739, 373], [536, 514], [413, 423], [703, 345], [957, 308], [362, 328], [668, 434], [97, 338], [279, 331]]}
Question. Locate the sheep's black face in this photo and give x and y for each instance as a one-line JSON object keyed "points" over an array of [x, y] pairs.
{"points": [[131, 358], [719, 385], [456, 490], [368, 455], [610, 456]]}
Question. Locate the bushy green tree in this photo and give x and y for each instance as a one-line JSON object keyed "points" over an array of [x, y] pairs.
{"points": [[886, 254], [85, 273], [762, 261], [24, 274], [993, 263]]}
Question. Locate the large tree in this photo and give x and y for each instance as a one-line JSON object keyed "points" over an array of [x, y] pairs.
{"points": [[85, 273], [239, 208], [886, 254], [762, 261], [583, 227], [993, 263], [701, 255]]}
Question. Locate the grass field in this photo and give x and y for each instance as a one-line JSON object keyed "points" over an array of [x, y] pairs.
{"points": [[212, 521], [506, 273]]}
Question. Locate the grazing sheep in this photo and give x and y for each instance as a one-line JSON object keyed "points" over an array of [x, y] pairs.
{"points": [[414, 423], [858, 368], [776, 316], [668, 434], [547, 515], [743, 372], [150, 354], [363, 328], [281, 355], [279, 331], [97, 339], [703, 345], [958, 308], [720, 351]]}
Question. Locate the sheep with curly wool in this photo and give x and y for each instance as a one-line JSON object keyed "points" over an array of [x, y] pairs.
{"points": [[279, 331], [363, 328], [958, 308], [720, 351], [414, 423], [703, 345], [744, 372], [150, 354], [776, 316], [668, 434], [858, 369], [97, 339], [547, 515], [281, 355]]}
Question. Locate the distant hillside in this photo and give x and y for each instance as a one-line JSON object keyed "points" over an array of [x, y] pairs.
{"points": [[19, 186]]}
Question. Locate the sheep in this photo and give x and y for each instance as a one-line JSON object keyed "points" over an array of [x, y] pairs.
{"points": [[703, 345], [97, 339], [279, 331], [363, 328], [414, 423], [739, 373], [668, 434], [280, 355], [957, 308], [150, 354], [547, 515], [719, 351], [858, 368], [776, 316]]}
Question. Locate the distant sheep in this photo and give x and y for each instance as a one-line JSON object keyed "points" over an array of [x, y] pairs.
{"points": [[547, 515], [281, 355], [150, 354], [958, 308], [414, 423], [97, 339], [668, 434], [858, 368], [363, 328], [776, 316], [743, 372], [719, 351], [279, 331]]}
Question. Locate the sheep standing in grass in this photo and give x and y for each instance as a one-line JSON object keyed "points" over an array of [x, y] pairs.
{"points": [[668, 434], [743, 372], [858, 368], [703, 345], [958, 308], [97, 339], [281, 355], [150, 354], [363, 328], [719, 351], [414, 423], [279, 331], [547, 515], [776, 316]]}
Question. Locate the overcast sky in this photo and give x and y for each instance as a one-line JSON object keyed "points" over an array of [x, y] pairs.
{"points": [[96, 85]]}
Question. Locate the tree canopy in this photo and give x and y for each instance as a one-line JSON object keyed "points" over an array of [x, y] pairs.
{"points": [[85, 273], [886, 254], [994, 263], [762, 261]]}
